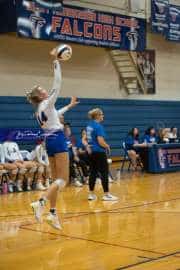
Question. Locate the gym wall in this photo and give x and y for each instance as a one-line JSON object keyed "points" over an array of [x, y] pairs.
{"points": [[89, 74]]}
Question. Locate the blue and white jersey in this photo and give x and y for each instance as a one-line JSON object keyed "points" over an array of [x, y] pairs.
{"points": [[40, 154], [2, 155], [46, 114], [11, 151], [95, 130], [26, 155], [62, 111]]}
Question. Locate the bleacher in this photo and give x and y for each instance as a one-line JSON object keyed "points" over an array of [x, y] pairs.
{"points": [[120, 116]]}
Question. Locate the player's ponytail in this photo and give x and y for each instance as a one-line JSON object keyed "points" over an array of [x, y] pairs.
{"points": [[33, 95]]}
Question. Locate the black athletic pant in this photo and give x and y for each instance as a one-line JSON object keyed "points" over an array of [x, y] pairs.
{"points": [[99, 166]]}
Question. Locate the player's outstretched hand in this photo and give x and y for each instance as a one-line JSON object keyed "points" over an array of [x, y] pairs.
{"points": [[53, 52], [74, 102]]}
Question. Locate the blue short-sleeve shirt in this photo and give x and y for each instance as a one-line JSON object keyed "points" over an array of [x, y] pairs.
{"points": [[80, 144], [150, 139], [95, 130], [130, 141]]}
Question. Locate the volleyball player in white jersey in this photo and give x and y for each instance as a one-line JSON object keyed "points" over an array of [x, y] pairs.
{"points": [[26, 168], [10, 167], [39, 154], [56, 144]]}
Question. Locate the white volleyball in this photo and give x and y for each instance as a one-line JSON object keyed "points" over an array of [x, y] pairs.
{"points": [[64, 52]]}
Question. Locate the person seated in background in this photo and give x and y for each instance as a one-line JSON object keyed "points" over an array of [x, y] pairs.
{"points": [[164, 135], [73, 156], [150, 136], [133, 146], [11, 169], [26, 169], [40, 157], [173, 135], [84, 151]]}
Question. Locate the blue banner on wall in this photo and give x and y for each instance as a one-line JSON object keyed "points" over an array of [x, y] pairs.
{"points": [[7, 16], [79, 25], [173, 31], [20, 134], [159, 16]]}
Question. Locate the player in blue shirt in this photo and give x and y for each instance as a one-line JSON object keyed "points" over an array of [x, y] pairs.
{"points": [[99, 165]]}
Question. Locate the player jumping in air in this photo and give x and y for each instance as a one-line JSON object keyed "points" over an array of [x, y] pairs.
{"points": [[56, 144]]}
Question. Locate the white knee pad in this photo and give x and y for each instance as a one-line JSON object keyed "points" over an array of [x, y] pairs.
{"points": [[41, 169], [60, 183], [14, 172], [22, 170], [33, 169]]}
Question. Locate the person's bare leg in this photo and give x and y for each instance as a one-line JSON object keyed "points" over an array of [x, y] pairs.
{"points": [[52, 165], [61, 166], [132, 155], [38, 206], [52, 191], [60, 171], [31, 169], [38, 177], [47, 172], [51, 195], [12, 169], [22, 171], [39, 174], [47, 175]]}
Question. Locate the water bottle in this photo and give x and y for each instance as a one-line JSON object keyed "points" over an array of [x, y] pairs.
{"points": [[5, 188]]}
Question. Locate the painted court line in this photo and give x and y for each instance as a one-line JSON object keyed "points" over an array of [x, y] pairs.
{"points": [[125, 207], [148, 261], [91, 240], [79, 214]]}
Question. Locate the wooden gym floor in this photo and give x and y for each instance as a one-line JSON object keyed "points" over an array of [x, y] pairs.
{"points": [[140, 232]]}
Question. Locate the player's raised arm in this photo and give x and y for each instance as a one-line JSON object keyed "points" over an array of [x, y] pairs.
{"points": [[74, 102], [56, 83]]}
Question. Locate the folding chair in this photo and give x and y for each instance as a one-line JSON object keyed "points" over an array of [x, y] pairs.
{"points": [[126, 158]]}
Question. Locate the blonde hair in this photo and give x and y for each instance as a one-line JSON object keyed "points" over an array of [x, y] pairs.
{"points": [[92, 114], [33, 95]]}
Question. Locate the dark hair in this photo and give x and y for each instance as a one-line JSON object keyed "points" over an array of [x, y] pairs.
{"points": [[82, 130], [131, 133], [173, 128], [67, 124], [148, 131]]}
